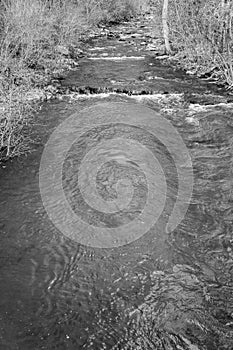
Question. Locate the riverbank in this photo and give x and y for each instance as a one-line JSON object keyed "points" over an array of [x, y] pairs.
{"points": [[39, 41], [200, 37]]}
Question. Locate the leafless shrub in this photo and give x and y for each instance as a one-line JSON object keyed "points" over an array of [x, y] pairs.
{"points": [[30, 33], [201, 34]]}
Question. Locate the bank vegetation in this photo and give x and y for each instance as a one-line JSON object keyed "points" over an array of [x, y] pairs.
{"points": [[34, 36], [199, 33]]}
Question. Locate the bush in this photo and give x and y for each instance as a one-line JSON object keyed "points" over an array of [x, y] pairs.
{"points": [[118, 10], [201, 34], [110, 11], [32, 35]]}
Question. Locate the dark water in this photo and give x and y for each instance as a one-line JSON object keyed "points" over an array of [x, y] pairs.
{"points": [[161, 291]]}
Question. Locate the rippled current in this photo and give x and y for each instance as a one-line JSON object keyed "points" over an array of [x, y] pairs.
{"points": [[157, 290]]}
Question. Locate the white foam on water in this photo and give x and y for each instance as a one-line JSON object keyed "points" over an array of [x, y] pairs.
{"points": [[193, 121], [76, 96], [122, 58], [126, 36], [162, 57], [155, 97], [158, 97], [196, 107], [154, 77], [97, 48]]}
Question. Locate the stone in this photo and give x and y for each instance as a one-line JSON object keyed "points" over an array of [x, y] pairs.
{"points": [[62, 50]]}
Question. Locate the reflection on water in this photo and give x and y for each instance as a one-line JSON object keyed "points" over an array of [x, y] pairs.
{"points": [[160, 292]]}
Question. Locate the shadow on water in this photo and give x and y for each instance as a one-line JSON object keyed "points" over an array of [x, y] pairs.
{"points": [[162, 291]]}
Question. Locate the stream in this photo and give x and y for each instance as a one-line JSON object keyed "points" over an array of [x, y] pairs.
{"points": [[130, 118]]}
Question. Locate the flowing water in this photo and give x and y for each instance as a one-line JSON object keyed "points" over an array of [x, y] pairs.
{"points": [[162, 290]]}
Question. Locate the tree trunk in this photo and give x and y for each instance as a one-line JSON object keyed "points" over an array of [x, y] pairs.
{"points": [[165, 27]]}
